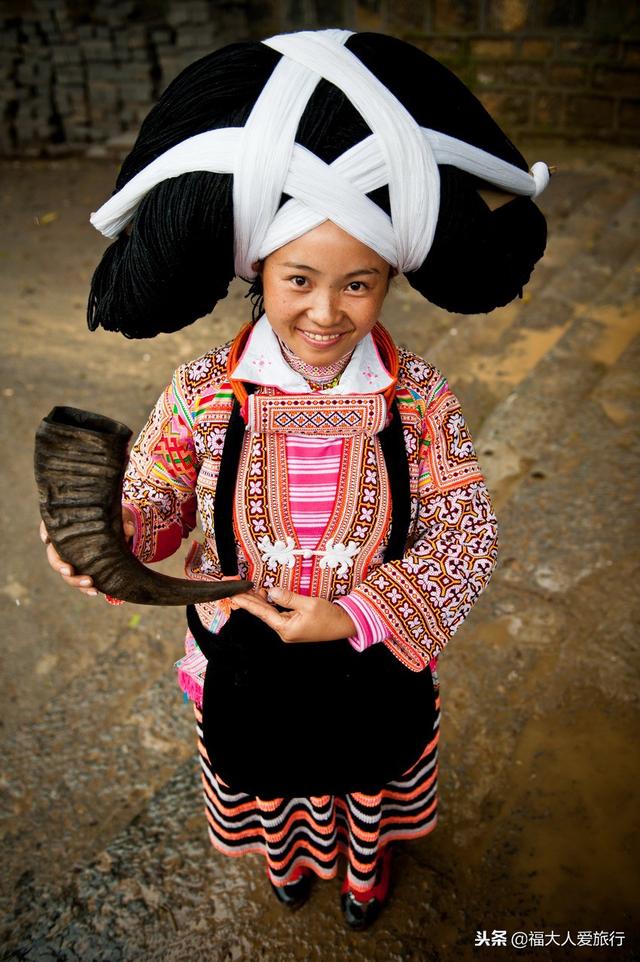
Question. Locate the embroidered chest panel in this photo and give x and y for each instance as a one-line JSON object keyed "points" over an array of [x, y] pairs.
{"points": [[355, 530], [356, 534], [317, 415]]}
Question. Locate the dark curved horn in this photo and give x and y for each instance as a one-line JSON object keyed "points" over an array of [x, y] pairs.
{"points": [[79, 464]]}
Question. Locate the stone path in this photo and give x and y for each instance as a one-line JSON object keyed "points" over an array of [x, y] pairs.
{"points": [[104, 850]]}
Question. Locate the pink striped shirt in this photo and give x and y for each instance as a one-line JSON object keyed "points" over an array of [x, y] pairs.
{"points": [[313, 467]]}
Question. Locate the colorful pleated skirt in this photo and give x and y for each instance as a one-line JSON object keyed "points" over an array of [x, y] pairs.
{"points": [[292, 833]]}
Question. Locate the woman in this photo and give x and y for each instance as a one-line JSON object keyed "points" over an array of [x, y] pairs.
{"points": [[331, 469]]}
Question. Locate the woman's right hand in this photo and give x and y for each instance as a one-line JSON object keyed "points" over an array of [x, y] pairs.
{"points": [[80, 581]]}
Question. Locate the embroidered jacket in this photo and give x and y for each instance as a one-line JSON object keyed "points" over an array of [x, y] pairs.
{"points": [[452, 547]]}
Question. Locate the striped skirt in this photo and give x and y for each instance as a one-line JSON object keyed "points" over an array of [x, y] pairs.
{"points": [[293, 833]]}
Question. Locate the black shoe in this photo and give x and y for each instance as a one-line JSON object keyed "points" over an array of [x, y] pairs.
{"points": [[295, 894], [359, 915]]}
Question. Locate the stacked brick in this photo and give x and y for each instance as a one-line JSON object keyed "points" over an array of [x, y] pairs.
{"points": [[70, 83], [567, 68], [563, 68], [26, 85], [190, 32]]}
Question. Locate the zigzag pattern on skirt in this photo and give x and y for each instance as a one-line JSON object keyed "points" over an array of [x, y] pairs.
{"points": [[313, 832]]}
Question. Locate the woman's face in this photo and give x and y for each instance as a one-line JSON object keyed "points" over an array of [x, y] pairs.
{"points": [[323, 293]]}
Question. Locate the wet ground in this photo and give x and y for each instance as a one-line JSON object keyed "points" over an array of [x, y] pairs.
{"points": [[104, 849]]}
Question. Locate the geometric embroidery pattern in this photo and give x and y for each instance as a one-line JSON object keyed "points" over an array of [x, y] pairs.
{"points": [[451, 454], [425, 597], [317, 415]]}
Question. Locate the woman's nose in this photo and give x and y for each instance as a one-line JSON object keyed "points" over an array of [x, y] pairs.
{"points": [[324, 307]]}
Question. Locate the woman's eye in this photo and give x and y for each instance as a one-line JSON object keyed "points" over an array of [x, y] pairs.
{"points": [[357, 286], [298, 280]]}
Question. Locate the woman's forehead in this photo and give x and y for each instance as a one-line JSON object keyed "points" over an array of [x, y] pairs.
{"points": [[328, 245]]}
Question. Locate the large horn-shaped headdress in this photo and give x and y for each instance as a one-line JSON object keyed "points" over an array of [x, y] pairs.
{"points": [[79, 463], [267, 163], [258, 143]]}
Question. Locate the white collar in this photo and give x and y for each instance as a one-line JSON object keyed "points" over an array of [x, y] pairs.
{"points": [[262, 363]]}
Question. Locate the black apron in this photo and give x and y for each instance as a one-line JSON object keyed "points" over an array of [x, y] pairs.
{"points": [[319, 718]]}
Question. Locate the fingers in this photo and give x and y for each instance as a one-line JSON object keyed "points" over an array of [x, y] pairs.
{"points": [[289, 599], [82, 582], [307, 620], [256, 604], [128, 525], [251, 601], [292, 625]]}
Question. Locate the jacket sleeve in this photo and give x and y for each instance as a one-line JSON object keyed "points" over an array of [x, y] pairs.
{"points": [[424, 597], [159, 482]]}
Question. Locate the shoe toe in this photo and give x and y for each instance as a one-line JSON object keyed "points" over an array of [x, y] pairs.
{"points": [[359, 915], [294, 895]]}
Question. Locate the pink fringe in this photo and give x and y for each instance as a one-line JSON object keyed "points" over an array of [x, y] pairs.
{"points": [[190, 686]]}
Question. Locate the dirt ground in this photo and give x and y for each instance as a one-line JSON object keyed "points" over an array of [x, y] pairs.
{"points": [[104, 848]]}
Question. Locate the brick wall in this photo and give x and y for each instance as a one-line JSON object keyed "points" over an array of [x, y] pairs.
{"points": [[568, 68], [78, 75]]}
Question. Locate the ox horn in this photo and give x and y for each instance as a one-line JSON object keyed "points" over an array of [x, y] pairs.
{"points": [[79, 463]]}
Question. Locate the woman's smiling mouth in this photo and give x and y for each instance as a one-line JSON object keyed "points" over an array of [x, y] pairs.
{"points": [[321, 339]]}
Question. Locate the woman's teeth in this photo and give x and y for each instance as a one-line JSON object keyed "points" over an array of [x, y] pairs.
{"points": [[321, 337]]}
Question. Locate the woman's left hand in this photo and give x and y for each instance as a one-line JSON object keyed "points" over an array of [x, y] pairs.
{"points": [[308, 619]]}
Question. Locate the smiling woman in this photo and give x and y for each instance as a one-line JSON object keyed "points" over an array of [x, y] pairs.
{"points": [[330, 468], [323, 293]]}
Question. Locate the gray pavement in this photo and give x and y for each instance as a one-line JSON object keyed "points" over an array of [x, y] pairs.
{"points": [[104, 850]]}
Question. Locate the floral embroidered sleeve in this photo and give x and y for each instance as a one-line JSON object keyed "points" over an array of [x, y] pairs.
{"points": [[159, 482], [424, 597]]}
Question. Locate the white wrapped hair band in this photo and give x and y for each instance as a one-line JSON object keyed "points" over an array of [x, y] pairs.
{"points": [[266, 162]]}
